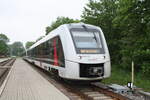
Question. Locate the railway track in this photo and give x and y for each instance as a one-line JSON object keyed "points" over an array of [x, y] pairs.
{"points": [[8, 62], [92, 92], [4, 69], [77, 91], [4, 62]]}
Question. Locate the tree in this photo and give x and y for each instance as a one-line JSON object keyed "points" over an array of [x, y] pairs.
{"points": [[101, 13], [126, 25], [4, 38], [17, 48], [134, 22], [39, 38], [59, 21], [4, 49], [29, 44]]}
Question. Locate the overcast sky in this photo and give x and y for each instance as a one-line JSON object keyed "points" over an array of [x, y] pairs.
{"points": [[25, 20]]}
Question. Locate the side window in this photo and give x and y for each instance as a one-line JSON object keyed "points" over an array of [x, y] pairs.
{"points": [[40, 51], [50, 45], [60, 52], [35, 52], [46, 50]]}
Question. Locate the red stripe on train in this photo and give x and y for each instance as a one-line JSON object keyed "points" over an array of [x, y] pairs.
{"points": [[55, 54]]}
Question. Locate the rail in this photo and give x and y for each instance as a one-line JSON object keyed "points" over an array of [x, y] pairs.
{"points": [[145, 95], [4, 69], [77, 91]]}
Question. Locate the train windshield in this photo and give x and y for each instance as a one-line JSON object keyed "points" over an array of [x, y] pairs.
{"points": [[84, 39], [87, 40]]}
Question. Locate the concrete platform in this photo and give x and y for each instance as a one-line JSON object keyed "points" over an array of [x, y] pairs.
{"points": [[3, 59], [24, 83]]}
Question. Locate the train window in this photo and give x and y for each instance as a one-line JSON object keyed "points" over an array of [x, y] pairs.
{"points": [[87, 41], [59, 50], [46, 50], [35, 52], [60, 53], [50, 45], [40, 51]]}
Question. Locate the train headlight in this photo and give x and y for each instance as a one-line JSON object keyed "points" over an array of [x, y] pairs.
{"points": [[79, 57]]}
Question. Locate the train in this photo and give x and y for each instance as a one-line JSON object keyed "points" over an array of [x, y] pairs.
{"points": [[75, 51]]}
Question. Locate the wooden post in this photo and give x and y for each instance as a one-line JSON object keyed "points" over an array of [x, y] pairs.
{"points": [[132, 73]]}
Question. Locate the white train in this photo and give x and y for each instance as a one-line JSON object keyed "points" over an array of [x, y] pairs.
{"points": [[74, 51]]}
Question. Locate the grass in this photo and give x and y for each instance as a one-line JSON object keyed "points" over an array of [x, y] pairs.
{"points": [[122, 77]]}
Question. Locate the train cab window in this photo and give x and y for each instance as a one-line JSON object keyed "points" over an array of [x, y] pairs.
{"points": [[87, 41]]}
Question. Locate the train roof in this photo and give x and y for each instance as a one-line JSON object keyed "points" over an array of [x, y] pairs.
{"points": [[79, 25], [69, 26]]}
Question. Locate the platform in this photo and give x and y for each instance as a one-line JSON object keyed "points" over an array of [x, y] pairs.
{"points": [[3, 59], [24, 83]]}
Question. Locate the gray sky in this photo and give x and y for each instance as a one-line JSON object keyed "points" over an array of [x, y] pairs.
{"points": [[25, 20]]}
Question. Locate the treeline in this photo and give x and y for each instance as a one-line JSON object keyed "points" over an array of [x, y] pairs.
{"points": [[59, 21], [4, 49], [126, 26], [14, 49]]}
